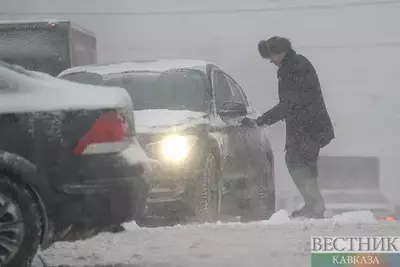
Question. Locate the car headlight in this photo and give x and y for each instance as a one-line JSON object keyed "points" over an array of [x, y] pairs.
{"points": [[175, 148]]}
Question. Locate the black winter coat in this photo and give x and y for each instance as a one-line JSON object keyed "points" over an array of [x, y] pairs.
{"points": [[301, 104]]}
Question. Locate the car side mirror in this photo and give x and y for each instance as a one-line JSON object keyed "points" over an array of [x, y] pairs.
{"points": [[233, 109]]}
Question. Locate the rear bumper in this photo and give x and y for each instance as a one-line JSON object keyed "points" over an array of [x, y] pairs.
{"points": [[101, 191], [103, 204]]}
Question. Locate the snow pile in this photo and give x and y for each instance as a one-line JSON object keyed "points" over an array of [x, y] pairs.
{"points": [[281, 216], [359, 216], [131, 226], [135, 154], [278, 242]]}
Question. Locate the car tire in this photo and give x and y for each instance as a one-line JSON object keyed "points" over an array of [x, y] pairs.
{"points": [[20, 224], [262, 201], [207, 192]]}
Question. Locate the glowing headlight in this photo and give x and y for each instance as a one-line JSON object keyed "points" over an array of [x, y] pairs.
{"points": [[176, 147]]}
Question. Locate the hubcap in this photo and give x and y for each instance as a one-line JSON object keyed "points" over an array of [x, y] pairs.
{"points": [[11, 229]]}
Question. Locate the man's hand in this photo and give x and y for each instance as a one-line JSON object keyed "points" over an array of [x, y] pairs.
{"points": [[260, 121], [247, 122]]}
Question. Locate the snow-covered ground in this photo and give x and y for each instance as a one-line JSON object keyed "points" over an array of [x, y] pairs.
{"points": [[277, 242]]}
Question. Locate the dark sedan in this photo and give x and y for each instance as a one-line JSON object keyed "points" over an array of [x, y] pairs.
{"points": [[70, 165], [188, 117]]}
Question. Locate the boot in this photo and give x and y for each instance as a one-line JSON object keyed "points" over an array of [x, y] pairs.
{"points": [[299, 212], [314, 205], [306, 212], [316, 215], [315, 199]]}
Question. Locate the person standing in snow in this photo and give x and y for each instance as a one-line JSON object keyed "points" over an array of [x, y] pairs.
{"points": [[308, 125]]}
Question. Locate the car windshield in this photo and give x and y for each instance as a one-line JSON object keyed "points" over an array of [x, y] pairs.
{"points": [[174, 90]]}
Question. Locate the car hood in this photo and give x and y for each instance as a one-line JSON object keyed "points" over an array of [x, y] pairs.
{"points": [[159, 120]]}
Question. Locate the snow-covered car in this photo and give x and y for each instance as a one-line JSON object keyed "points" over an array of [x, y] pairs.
{"points": [[188, 116], [64, 174]]}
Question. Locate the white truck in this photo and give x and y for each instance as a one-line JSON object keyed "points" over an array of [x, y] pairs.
{"points": [[46, 46]]}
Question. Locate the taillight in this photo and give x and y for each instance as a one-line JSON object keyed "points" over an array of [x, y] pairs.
{"points": [[109, 134], [387, 218]]}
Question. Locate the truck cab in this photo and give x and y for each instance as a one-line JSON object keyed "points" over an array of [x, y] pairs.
{"points": [[46, 46]]}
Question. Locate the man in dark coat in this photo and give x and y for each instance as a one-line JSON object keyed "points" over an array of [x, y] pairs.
{"points": [[308, 125]]}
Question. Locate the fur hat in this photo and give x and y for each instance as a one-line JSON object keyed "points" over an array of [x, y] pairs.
{"points": [[274, 45]]}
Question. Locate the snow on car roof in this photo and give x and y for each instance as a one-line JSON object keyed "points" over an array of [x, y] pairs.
{"points": [[42, 92], [145, 65]]}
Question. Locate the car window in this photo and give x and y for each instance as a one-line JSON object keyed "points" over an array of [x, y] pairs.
{"points": [[237, 91], [223, 92]]}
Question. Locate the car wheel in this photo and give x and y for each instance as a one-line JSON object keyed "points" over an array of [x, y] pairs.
{"points": [[262, 199], [20, 224], [207, 192]]}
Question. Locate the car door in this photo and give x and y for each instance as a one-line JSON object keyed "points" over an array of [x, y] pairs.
{"points": [[234, 165], [254, 138]]}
